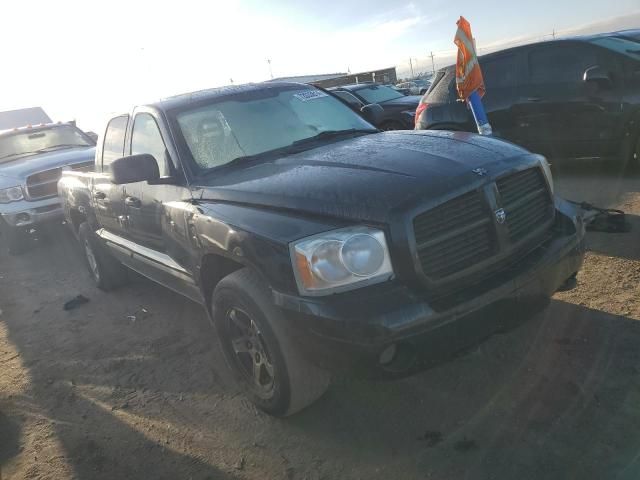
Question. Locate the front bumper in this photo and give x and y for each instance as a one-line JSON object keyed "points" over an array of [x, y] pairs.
{"points": [[27, 213], [347, 333]]}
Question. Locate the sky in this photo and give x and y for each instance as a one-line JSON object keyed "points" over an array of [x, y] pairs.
{"points": [[85, 59]]}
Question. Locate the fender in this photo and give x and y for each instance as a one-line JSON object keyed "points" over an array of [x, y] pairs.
{"points": [[255, 237]]}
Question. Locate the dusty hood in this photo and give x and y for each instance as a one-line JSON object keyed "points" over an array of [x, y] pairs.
{"points": [[21, 168], [368, 177]]}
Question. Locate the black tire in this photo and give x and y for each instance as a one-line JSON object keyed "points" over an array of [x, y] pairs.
{"points": [[391, 125], [286, 382], [107, 272]]}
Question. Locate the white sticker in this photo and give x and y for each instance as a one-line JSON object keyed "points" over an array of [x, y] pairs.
{"points": [[307, 95]]}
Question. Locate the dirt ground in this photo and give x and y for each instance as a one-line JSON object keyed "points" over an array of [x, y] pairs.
{"points": [[131, 384]]}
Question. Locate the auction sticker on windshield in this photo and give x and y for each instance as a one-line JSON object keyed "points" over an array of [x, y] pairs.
{"points": [[307, 95]]}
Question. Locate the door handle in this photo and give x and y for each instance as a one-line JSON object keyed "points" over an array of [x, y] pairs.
{"points": [[99, 195], [533, 99], [132, 202]]}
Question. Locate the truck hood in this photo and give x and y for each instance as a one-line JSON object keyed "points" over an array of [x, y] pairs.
{"points": [[370, 177], [21, 168]]}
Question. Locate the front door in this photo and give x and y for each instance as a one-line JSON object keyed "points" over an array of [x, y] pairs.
{"points": [[144, 202], [501, 77], [108, 199], [557, 113], [157, 215]]}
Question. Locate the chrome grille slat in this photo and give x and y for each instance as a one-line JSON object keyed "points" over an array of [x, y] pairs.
{"points": [[441, 250], [443, 262]]}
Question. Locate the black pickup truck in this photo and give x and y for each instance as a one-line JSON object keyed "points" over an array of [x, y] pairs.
{"points": [[317, 243]]}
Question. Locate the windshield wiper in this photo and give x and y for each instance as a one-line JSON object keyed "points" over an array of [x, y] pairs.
{"points": [[60, 146], [292, 148], [334, 134]]}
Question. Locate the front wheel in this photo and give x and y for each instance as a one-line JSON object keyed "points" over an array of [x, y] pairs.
{"points": [[106, 271], [260, 351]]}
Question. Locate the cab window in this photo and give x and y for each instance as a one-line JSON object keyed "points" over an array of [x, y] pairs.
{"points": [[146, 138], [113, 145]]}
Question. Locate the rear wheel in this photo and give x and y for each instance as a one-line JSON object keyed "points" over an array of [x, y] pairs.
{"points": [[259, 349], [106, 271]]}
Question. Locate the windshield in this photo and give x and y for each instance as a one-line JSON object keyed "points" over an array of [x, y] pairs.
{"points": [[29, 142], [378, 93], [625, 46], [224, 130]]}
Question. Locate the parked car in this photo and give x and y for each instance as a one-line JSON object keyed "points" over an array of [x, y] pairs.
{"points": [[31, 162], [315, 242], [399, 109], [574, 98], [404, 91], [416, 87]]}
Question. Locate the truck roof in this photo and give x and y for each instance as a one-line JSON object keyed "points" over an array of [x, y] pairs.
{"points": [[23, 116], [177, 101], [42, 126]]}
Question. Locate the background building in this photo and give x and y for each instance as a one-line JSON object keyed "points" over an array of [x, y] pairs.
{"points": [[383, 75]]}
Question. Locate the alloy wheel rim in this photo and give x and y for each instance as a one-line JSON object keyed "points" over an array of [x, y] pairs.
{"points": [[250, 352]]}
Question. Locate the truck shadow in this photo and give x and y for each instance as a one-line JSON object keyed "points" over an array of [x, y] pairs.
{"points": [[598, 182], [556, 398], [93, 371], [620, 245], [9, 439]]}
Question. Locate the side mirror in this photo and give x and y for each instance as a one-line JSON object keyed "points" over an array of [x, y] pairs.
{"points": [[134, 168], [597, 76], [373, 113]]}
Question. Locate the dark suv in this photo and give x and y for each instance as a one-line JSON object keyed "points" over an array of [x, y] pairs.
{"points": [[573, 98], [398, 110]]}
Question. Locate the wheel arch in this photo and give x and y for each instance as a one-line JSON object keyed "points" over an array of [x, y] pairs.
{"points": [[213, 268]]}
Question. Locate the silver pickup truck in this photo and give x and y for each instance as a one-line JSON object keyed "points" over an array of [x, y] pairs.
{"points": [[32, 159]]}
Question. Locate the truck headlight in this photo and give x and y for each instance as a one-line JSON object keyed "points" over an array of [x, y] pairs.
{"points": [[546, 168], [340, 260], [11, 194]]}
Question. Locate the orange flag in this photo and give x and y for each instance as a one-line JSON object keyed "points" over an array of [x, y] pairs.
{"points": [[468, 73]]}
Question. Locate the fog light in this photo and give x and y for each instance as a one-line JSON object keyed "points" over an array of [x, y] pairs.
{"points": [[388, 354], [23, 218]]}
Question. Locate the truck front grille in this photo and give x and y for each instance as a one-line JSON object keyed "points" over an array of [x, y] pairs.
{"points": [[454, 236], [464, 231], [43, 184]]}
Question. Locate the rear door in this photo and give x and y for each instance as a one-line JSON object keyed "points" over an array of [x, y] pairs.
{"points": [[108, 199], [501, 75], [557, 113]]}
